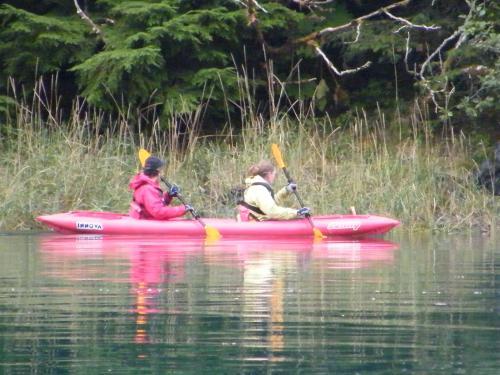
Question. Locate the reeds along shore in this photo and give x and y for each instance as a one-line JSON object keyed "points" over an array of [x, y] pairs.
{"points": [[397, 169]]}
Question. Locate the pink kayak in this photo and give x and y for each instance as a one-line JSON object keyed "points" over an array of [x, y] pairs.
{"points": [[94, 222]]}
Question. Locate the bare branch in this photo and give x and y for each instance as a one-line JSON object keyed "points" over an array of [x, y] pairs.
{"points": [[436, 52], [316, 39], [259, 6], [249, 3], [311, 39], [464, 35], [301, 81], [408, 23], [83, 16], [311, 4], [358, 34], [356, 21], [307, 3], [445, 91], [241, 3], [407, 54], [335, 70], [459, 33]]}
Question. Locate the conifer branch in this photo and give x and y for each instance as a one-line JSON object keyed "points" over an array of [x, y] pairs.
{"points": [[83, 16]]}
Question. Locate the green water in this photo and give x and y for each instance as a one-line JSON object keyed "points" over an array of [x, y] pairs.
{"points": [[80, 305]]}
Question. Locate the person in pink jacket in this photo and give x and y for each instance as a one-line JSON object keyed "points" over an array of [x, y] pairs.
{"points": [[149, 201]]}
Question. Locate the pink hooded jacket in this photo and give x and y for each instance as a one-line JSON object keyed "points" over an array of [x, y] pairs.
{"points": [[149, 200]]}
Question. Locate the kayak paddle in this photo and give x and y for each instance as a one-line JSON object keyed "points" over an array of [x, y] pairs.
{"points": [[279, 160], [211, 232]]}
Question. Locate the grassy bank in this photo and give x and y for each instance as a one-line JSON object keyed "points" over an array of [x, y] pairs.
{"points": [[398, 170]]}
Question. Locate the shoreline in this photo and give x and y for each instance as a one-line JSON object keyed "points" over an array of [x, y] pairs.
{"points": [[426, 183]]}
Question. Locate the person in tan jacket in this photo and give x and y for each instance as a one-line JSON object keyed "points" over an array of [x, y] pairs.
{"points": [[259, 201]]}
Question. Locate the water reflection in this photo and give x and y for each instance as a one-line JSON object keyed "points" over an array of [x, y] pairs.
{"points": [[144, 305], [150, 266], [265, 265], [145, 264]]}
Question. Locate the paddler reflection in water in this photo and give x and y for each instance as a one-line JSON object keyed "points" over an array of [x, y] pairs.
{"points": [[149, 201], [259, 201]]}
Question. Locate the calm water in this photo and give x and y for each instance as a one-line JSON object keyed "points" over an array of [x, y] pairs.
{"points": [[77, 305]]}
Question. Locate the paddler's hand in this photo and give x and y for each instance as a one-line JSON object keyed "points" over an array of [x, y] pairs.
{"points": [[291, 187], [304, 212], [190, 209], [174, 191]]}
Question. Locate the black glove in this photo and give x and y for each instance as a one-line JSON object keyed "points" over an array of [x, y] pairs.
{"points": [[304, 211], [174, 191]]}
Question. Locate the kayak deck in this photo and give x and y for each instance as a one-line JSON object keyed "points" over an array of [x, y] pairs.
{"points": [[95, 222]]}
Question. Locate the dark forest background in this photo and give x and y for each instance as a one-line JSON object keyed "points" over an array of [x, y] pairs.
{"points": [[172, 56]]}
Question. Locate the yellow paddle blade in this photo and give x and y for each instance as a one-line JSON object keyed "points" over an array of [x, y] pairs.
{"points": [[277, 155], [143, 156], [212, 233], [317, 234]]}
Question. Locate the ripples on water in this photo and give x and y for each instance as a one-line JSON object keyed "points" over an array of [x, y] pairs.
{"points": [[73, 304]]}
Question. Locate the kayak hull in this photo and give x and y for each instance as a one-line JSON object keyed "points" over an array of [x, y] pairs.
{"points": [[95, 222]]}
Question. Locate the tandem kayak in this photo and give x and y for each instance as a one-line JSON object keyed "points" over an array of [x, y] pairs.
{"points": [[94, 222]]}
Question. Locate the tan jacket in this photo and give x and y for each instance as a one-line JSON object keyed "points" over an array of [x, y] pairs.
{"points": [[259, 196]]}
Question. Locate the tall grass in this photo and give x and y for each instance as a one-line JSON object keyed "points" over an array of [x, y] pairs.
{"points": [[403, 171]]}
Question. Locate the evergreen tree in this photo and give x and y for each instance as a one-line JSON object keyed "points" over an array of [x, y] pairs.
{"points": [[178, 53]]}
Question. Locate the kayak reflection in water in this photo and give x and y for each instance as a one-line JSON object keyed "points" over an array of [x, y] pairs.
{"points": [[149, 201], [259, 201]]}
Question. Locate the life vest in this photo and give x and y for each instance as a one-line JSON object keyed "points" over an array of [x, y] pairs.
{"points": [[246, 210], [135, 210]]}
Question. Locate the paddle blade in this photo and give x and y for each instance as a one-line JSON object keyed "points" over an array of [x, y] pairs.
{"points": [[212, 233], [277, 155], [143, 156], [317, 234]]}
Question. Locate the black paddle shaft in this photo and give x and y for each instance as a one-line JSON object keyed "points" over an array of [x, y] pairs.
{"points": [[301, 202], [180, 197]]}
